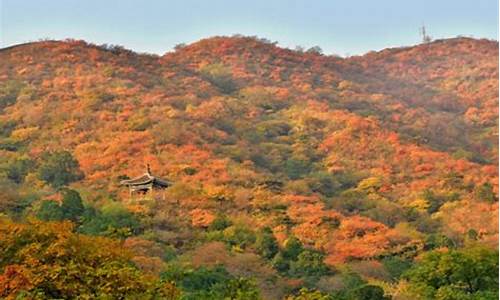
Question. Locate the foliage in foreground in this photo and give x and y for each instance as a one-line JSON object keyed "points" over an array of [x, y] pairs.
{"points": [[47, 260], [456, 274]]}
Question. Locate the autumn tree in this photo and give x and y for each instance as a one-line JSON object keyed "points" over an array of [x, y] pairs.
{"points": [[48, 260]]}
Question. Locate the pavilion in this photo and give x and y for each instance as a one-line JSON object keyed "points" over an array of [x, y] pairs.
{"points": [[145, 183]]}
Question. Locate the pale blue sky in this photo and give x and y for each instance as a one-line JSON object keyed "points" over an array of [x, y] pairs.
{"points": [[340, 27]]}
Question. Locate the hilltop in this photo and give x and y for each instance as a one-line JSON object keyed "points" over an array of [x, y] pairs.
{"points": [[389, 154]]}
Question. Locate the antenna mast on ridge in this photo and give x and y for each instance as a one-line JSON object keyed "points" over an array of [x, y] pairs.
{"points": [[425, 38]]}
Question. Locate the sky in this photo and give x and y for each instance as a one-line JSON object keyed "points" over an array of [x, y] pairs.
{"points": [[348, 27]]}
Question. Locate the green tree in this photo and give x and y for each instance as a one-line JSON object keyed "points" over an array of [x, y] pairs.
{"points": [[220, 76], [306, 294], [324, 183], [266, 244], [18, 169], [296, 168], [437, 240], [59, 169], [9, 90], [470, 272], [238, 289], [309, 263], [315, 50], [220, 222], [293, 247], [355, 288], [352, 280], [211, 283], [396, 266], [72, 206], [280, 263], [368, 292], [239, 236], [111, 220], [50, 211]]}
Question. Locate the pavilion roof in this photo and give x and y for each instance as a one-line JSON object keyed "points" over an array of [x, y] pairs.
{"points": [[144, 179]]}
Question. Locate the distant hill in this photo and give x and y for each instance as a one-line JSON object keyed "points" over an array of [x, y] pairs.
{"points": [[359, 158]]}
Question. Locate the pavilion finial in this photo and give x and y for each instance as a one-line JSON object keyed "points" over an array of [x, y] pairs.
{"points": [[148, 169]]}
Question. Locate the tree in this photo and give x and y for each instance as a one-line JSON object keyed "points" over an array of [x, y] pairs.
{"points": [[179, 46], [293, 247], [239, 236], [368, 292], [211, 283], [280, 263], [437, 240], [355, 288], [72, 206], [238, 289], [49, 261], [9, 90], [266, 244], [220, 76], [315, 50], [470, 272], [485, 192], [18, 169], [296, 168], [324, 183], [10, 200], [309, 263], [111, 220], [306, 294], [50, 211], [59, 169], [396, 266], [220, 222]]}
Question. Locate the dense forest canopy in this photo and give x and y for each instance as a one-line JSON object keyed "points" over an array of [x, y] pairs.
{"points": [[295, 175]]}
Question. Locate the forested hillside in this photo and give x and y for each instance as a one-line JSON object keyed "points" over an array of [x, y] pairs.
{"points": [[296, 175]]}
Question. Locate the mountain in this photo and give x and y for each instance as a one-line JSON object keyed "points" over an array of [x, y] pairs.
{"points": [[359, 159]]}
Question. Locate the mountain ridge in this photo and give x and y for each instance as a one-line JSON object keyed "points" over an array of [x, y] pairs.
{"points": [[362, 158]]}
